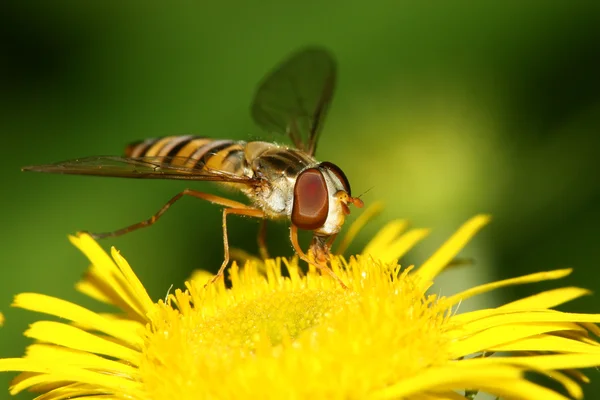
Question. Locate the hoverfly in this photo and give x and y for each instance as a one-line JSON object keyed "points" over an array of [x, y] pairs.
{"points": [[282, 182]]}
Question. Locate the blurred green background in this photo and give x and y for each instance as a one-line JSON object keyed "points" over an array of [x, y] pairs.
{"points": [[444, 110]]}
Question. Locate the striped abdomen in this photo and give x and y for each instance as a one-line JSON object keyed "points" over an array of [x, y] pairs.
{"points": [[193, 152]]}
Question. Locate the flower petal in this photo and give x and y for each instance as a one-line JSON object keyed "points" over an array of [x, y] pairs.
{"points": [[547, 343], [499, 336], [548, 299], [110, 279], [536, 277], [444, 255], [52, 372], [73, 312], [75, 338], [358, 224]]}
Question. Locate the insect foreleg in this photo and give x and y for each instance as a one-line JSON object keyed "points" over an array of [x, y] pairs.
{"points": [[317, 262]]}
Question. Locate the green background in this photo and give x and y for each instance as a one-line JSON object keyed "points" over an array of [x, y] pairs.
{"points": [[443, 110]]}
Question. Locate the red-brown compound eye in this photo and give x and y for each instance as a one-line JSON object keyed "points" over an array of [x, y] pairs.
{"points": [[339, 173], [311, 200]]}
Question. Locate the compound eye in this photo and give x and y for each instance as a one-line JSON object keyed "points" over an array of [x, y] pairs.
{"points": [[311, 200], [339, 173]]}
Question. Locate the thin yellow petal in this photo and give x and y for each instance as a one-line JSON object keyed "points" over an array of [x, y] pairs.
{"points": [[546, 343], [92, 251], [453, 376], [538, 362], [548, 299], [73, 312], [592, 327], [122, 321], [358, 224], [105, 274], [201, 275], [520, 389], [468, 343], [493, 379], [402, 245], [385, 236], [481, 315], [73, 392], [47, 353], [51, 373], [446, 395], [109, 285], [241, 256], [75, 338], [572, 387], [529, 317], [86, 287], [438, 261], [577, 375], [140, 293], [536, 277]]}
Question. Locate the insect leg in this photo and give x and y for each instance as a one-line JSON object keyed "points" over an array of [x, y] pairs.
{"points": [[262, 240], [247, 211], [303, 256], [187, 192], [329, 242]]}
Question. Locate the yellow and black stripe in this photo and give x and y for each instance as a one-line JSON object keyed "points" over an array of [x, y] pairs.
{"points": [[193, 152]]}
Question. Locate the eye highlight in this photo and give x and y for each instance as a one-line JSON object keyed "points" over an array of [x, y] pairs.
{"points": [[311, 200]]}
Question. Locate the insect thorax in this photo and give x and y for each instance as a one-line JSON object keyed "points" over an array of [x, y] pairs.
{"points": [[278, 166]]}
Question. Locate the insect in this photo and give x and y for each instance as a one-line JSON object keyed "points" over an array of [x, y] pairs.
{"points": [[281, 182]]}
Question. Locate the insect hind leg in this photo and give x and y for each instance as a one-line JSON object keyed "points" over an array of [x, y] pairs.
{"points": [[152, 220]]}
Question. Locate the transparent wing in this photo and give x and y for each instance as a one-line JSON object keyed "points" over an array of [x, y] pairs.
{"points": [[293, 99], [142, 168]]}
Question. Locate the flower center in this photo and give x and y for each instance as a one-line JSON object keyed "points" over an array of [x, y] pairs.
{"points": [[288, 337]]}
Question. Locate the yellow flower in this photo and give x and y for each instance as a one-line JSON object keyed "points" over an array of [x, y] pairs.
{"points": [[279, 333]]}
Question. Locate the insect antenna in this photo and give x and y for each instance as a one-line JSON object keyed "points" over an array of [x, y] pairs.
{"points": [[365, 192]]}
